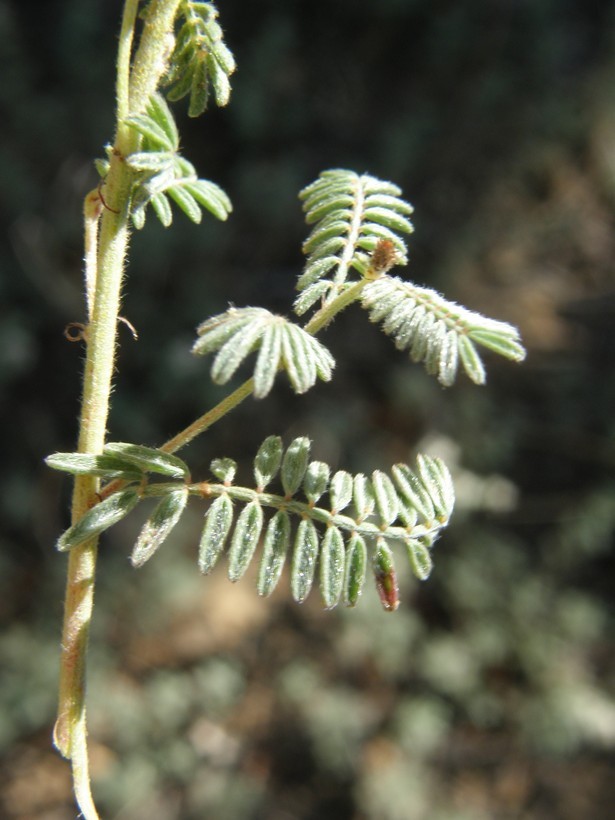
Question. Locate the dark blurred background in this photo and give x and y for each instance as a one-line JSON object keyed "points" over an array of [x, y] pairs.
{"points": [[489, 693]]}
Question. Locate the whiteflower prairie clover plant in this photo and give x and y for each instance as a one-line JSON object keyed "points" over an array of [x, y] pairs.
{"points": [[340, 527]]}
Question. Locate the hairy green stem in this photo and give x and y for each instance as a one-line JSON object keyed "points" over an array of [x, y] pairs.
{"points": [[104, 286], [211, 417]]}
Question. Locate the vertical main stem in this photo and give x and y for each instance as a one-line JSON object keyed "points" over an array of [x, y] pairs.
{"points": [[70, 732]]}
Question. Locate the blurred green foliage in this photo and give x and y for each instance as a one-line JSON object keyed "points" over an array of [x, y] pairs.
{"points": [[487, 695]]}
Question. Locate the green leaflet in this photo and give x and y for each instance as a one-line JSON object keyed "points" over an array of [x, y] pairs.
{"points": [[268, 460], [363, 496], [413, 491], [245, 539], [148, 459], [201, 61], [224, 469], [387, 503], [239, 332], [349, 214], [218, 521], [275, 547], [332, 567], [340, 490], [159, 525], [102, 516], [294, 465], [316, 480], [420, 558], [304, 560], [105, 466], [162, 172], [435, 331]]}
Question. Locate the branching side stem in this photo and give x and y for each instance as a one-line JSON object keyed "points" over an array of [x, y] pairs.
{"points": [[318, 321]]}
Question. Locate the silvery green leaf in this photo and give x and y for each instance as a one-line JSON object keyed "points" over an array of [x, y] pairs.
{"points": [[449, 359], [162, 209], [150, 161], [199, 90], [435, 344], [216, 330], [388, 217], [219, 80], [373, 185], [420, 342], [138, 216], [409, 329], [389, 202], [224, 469], [102, 167], [210, 196], [340, 491], [304, 358], [408, 515], [396, 317], [224, 57], [413, 491], [218, 521], [337, 202], [323, 360], [327, 248], [148, 459], [332, 557], [387, 504], [420, 559], [245, 539], [350, 214], [151, 130], [294, 465], [316, 270], [381, 301], [186, 202], [363, 494], [505, 342], [156, 184], [304, 560], [308, 297], [160, 113], [327, 229], [182, 83], [471, 361], [235, 350], [275, 546], [437, 331], [156, 529], [102, 516], [301, 370], [356, 568], [108, 467], [268, 360], [267, 461], [316, 480], [437, 481]]}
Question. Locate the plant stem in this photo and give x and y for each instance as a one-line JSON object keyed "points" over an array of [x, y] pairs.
{"points": [[319, 320], [211, 417], [329, 311], [70, 732]]}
